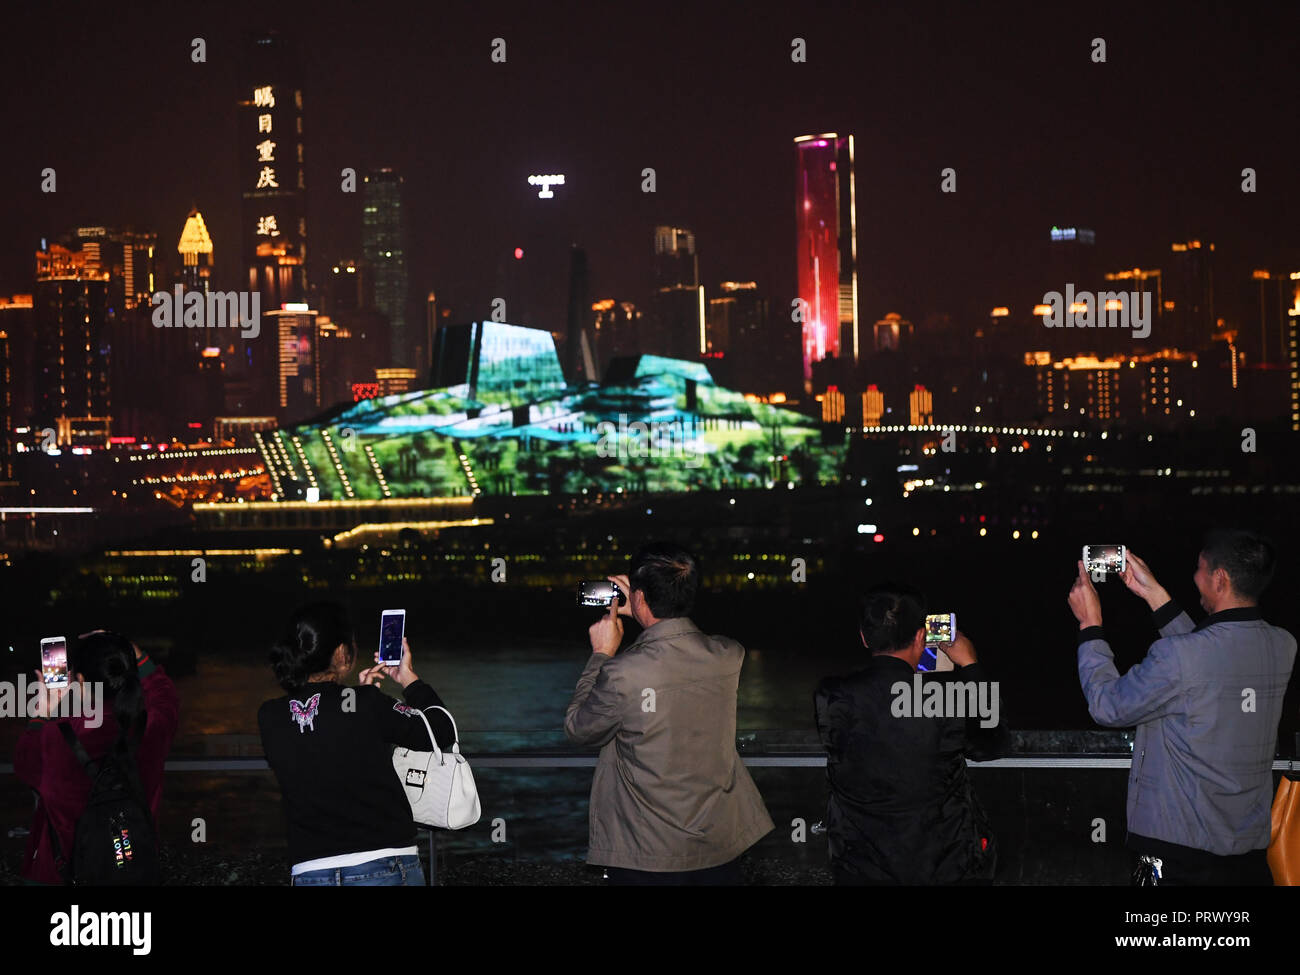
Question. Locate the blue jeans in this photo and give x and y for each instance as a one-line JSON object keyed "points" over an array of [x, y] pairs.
{"points": [[386, 872]]}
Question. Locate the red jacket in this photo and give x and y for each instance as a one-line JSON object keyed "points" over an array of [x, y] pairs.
{"points": [[45, 762]]}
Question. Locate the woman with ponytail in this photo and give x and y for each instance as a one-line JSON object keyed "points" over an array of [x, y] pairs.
{"points": [[127, 704], [330, 746]]}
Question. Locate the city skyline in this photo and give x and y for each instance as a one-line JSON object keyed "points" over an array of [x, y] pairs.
{"points": [[996, 221]]}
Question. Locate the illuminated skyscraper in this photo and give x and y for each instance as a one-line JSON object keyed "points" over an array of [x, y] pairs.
{"points": [[274, 232], [1292, 353], [73, 350], [195, 248], [18, 321], [826, 248], [383, 243], [127, 256], [6, 409]]}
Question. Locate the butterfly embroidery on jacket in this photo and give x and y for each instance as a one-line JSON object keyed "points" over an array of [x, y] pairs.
{"points": [[305, 712]]}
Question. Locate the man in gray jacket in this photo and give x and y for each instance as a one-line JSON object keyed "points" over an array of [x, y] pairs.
{"points": [[1207, 700], [671, 801]]}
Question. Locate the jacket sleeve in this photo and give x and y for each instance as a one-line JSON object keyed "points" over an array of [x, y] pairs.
{"points": [[1149, 690], [987, 737], [596, 711], [161, 702], [1170, 620], [402, 726]]}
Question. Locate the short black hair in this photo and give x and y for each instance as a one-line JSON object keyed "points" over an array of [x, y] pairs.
{"points": [[891, 615], [669, 576], [1248, 558]]}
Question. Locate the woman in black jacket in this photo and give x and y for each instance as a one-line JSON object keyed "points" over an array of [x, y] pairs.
{"points": [[901, 807], [330, 746]]}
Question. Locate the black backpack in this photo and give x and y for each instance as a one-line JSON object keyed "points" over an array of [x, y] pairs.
{"points": [[115, 843]]}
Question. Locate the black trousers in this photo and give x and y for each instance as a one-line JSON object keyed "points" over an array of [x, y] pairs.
{"points": [[724, 875]]}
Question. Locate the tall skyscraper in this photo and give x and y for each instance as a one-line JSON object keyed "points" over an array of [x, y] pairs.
{"points": [[270, 146], [1189, 284], [299, 374], [73, 347], [580, 365], [675, 262], [6, 408], [383, 243], [1292, 352], [18, 321], [677, 317], [195, 248], [826, 248], [128, 257]]}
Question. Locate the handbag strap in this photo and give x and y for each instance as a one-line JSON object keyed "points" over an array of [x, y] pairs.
{"points": [[455, 744]]}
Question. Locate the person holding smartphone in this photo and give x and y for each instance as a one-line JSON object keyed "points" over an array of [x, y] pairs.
{"points": [[330, 746], [139, 700], [901, 807]]}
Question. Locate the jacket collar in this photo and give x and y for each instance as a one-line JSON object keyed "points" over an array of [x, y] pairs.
{"points": [[665, 630], [1240, 614], [887, 661]]}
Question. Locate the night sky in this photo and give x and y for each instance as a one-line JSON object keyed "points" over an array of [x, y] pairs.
{"points": [[1145, 149]]}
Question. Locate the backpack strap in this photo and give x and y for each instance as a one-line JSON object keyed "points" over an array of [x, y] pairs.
{"points": [[75, 744]]}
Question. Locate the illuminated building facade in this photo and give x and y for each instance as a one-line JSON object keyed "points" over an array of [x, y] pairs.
{"points": [[826, 249], [195, 249], [502, 420], [271, 174], [18, 321], [299, 372], [6, 408], [873, 406], [920, 403], [1292, 354], [73, 352], [383, 243], [832, 405]]}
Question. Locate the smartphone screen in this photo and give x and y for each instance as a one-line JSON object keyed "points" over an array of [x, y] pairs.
{"points": [[392, 626], [940, 628], [1103, 558], [54, 660]]}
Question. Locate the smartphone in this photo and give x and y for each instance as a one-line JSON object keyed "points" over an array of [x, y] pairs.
{"points": [[54, 660], [600, 593], [1100, 559], [940, 628], [392, 627]]}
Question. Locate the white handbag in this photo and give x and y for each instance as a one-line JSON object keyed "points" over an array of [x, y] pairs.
{"points": [[439, 785]]}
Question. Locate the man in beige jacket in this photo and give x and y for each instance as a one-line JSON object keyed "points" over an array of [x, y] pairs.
{"points": [[671, 801]]}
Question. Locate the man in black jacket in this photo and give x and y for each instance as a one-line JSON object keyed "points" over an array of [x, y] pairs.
{"points": [[901, 808]]}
